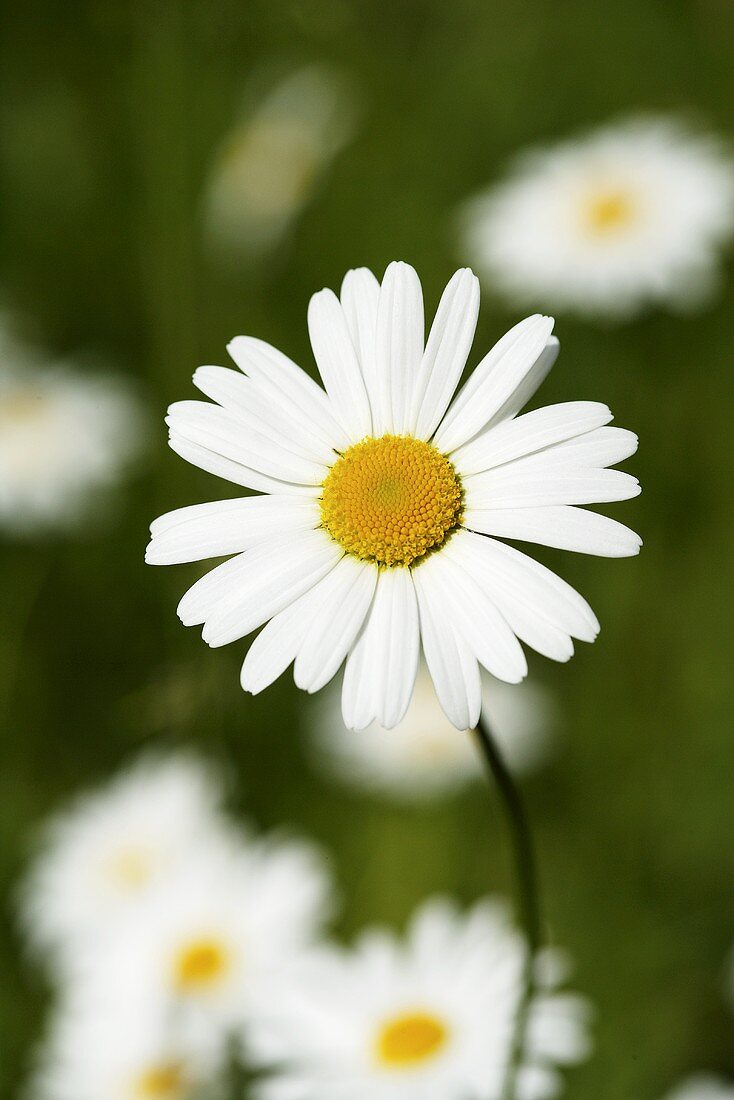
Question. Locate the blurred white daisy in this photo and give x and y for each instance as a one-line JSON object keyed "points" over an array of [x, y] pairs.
{"points": [[632, 214], [64, 436], [271, 162], [378, 495], [428, 1018], [211, 937], [97, 1051], [703, 1087], [425, 756], [100, 860]]}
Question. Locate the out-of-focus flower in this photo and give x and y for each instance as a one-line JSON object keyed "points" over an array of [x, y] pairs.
{"points": [[271, 162], [632, 214], [428, 1018], [378, 495], [106, 1051], [113, 849], [703, 1087], [425, 756], [64, 436], [208, 941]]}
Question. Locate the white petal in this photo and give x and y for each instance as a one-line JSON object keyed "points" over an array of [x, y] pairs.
{"points": [[476, 617], [278, 642], [532, 382], [519, 486], [360, 294], [226, 527], [595, 450], [521, 618], [452, 665], [529, 433], [494, 382], [221, 432], [449, 344], [203, 596], [399, 348], [235, 472], [290, 386], [277, 574], [565, 528], [245, 398], [338, 364], [502, 569], [381, 669], [345, 595]]}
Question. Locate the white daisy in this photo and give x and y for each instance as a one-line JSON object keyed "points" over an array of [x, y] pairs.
{"points": [[378, 497], [424, 756], [428, 1018], [703, 1087], [211, 937], [63, 436], [632, 214], [99, 860], [97, 1050], [271, 162]]}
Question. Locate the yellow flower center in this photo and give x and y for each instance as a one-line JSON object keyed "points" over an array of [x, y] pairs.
{"points": [[200, 964], [130, 868], [608, 211], [409, 1039], [22, 406], [165, 1081], [391, 500]]}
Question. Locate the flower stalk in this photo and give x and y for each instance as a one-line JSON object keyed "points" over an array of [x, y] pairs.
{"points": [[527, 890]]}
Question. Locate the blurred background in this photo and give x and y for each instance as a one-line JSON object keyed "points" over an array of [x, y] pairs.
{"points": [[132, 246]]}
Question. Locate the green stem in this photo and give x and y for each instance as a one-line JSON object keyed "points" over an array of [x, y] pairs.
{"points": [[527, 889]]}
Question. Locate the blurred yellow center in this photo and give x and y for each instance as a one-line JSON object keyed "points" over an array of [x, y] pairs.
{"points": [[22, 406], [200, 964], [409, 1039], [391, 500], [131, 868], [608, 211], [165, 1081]]}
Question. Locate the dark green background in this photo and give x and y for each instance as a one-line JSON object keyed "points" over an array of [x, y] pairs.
{"points": [[109, 115]]}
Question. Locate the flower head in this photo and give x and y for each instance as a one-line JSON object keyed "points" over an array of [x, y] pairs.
{"points": [[205, 943], [423, 756], [379, 498], [428, 1017], [632, 214], [703, 1086], [128, 1052], [100, 860], [271, 161], [63, 436]]}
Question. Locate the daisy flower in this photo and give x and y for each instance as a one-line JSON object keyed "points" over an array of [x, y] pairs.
{"points": [[100, 860], [99, 1050], [632, 214], [272, 160], [64, 436], [431, 1017], [424, 757], [703, 1087], [380, 496], [207, 941]]}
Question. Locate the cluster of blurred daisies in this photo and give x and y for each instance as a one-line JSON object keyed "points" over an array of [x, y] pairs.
{"points": [[189, 955]]}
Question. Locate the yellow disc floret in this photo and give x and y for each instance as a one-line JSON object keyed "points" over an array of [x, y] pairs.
{"points": [[163, 1082], [409, 1039], [609, 211], [391, 500], [200, 965]]}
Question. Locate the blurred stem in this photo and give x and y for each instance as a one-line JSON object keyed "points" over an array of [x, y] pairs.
{"points": [[527, 890]]}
